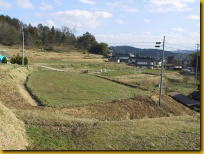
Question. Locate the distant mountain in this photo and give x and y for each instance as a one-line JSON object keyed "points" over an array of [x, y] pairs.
{"points": [[185, 51], [154, 53]]}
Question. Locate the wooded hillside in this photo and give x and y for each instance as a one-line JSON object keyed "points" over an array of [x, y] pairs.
{"points": [[46, 37]]}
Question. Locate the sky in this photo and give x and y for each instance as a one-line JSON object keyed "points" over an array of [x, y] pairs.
{"points": [[138, 23]]}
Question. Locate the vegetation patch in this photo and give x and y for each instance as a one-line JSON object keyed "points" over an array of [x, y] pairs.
{"points": [[172, 82], [103, 116], [129, 109], [65, 89], [145, 134], [12, 131]]}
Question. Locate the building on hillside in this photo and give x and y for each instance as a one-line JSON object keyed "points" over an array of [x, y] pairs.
{"points": [[135, 60], [173, 63], [118, 57], [173, 67], [142, 62], [170, 60]]}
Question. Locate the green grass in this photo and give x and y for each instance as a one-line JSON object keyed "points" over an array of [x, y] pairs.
{"points": [[64, 89], [184, 88], [182, 133], [157, 72], [46, 139], [118, 73], [91, 66], [179, 83]]}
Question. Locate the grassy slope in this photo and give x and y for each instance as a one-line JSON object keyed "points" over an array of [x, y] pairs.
{"points": [[49, 128], [64, 89], [12, 131], [65, 133]]}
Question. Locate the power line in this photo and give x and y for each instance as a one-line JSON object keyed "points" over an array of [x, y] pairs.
{"points": [[143, 43], [180, 45], [176, 49], [129, 42]]}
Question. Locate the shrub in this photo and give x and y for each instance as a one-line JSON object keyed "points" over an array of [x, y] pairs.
{"points": [[25, 61], [13, 60], [4, 60], [19, 60]]}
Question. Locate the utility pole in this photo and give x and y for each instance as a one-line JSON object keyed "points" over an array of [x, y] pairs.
{"points": [[197, 45], [23, 48], [162, 68]]}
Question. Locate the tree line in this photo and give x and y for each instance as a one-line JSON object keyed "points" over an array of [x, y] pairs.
{"points": [[46, 37]]}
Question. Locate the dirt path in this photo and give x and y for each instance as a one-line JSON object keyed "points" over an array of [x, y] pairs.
{"points": [[25, 94], [51, 68]]}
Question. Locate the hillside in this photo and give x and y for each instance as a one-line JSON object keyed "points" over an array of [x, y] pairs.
{"points": [[49, 38], [12, 134], [132, 122], [155, 53]]}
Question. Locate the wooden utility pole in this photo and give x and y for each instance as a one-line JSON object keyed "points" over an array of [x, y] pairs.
{"points": [[197, 45], [162, 69], [23, 48]]}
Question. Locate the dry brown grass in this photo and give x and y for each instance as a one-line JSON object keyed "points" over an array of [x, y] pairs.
{"points": [[37, 55], [142, 80], [12, 134], [11, 77], [128, 109]]}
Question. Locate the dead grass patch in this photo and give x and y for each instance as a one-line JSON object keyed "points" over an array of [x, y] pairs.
{"points": [[129, 109], [12, 134]]}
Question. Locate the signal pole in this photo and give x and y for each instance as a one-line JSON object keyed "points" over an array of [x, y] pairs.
{"points": [[23, 48], [162, 69]]}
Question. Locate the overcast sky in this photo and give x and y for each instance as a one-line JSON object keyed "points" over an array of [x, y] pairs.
{"points": [[118, 22]]}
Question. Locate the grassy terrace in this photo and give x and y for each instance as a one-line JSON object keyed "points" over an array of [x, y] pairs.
{"points": [[95, 123], [150, 79], [181, 133], [64, 89]]}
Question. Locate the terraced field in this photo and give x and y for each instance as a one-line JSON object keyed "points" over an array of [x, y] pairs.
{"points": [[65, 89], [173, 81], [84, 112]]}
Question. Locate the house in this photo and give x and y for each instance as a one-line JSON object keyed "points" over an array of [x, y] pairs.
{"points": [[142, 62], [171, 60], [158, 63], [135, 60], [173, 67], [118, 57]]}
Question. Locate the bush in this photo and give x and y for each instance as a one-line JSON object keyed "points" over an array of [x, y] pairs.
{"points": [[13, 60], [19, 60], [4, 60], [25, 61]]}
